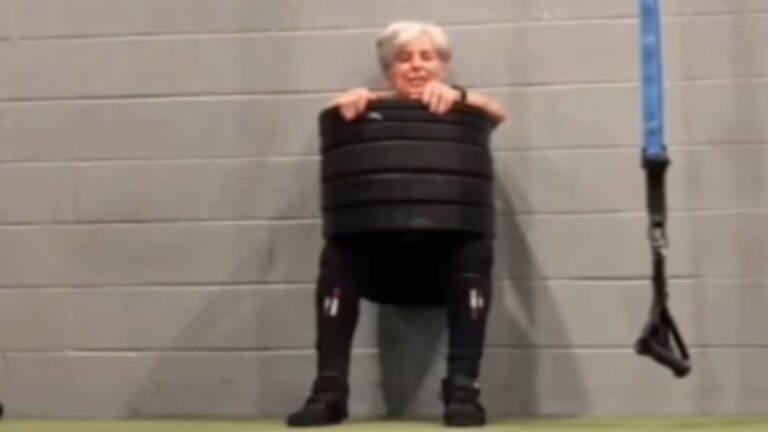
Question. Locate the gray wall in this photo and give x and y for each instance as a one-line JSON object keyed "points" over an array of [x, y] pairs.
{"points": [[159, 217]]}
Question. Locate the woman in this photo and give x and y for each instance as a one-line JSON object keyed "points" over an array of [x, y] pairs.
{"points": [[414, 57]]}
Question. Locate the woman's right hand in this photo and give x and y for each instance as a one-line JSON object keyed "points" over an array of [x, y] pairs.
{"points": [[353, 102]]}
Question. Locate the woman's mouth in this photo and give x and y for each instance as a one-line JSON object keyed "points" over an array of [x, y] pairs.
{"points": [[417, 82]]}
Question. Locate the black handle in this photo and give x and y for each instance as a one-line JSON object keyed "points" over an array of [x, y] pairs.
{"points": [[661, 340], [662, 354]]}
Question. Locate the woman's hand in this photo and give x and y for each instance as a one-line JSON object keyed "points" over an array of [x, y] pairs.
{"points": [[439, 97], [353, 102]]}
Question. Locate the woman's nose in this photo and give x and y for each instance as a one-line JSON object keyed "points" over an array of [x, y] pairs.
{"points": [[416, 63]]}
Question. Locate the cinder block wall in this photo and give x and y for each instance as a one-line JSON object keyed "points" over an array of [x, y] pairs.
{"points": [[159, 206]]}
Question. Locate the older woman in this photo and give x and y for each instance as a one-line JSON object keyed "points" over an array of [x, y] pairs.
{"points": [[414, 57]]}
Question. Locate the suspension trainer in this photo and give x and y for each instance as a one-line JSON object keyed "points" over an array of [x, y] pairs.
{"points": [[660, 338]]}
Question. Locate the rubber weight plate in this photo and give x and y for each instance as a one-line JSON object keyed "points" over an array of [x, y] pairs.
{"points": [[358, 133], [394, 104], [405, 217], [413, 188], [394, 110], [407, 157]]}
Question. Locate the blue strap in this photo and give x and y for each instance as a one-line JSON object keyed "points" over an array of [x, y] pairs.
{"points": [[653, 90]]}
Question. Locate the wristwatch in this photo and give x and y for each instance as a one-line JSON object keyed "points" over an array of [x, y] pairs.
{"points": [[462, 92]]}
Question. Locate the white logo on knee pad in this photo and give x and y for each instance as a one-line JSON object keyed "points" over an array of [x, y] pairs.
{"points": [[476, 303], [331, 303]]}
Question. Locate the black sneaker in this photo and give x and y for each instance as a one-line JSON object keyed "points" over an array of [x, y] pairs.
{"points": [[462, 405], [326, 405]]}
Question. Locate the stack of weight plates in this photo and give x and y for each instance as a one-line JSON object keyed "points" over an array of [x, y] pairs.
{"points": [[399, 168]]}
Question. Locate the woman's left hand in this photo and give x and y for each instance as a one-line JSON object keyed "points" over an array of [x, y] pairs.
{"points": [[439, 97]]}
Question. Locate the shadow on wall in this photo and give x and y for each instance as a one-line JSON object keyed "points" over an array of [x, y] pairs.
{"points": [[232, 350], [411, 343], [517, 362]]}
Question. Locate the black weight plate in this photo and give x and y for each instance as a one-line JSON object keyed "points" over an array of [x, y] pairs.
{"points": [[358, 133], [465, 114], [332, 121], [403, 157], [405, 218], [413, 188], [409, 110], [414, 116], [411, 104]]}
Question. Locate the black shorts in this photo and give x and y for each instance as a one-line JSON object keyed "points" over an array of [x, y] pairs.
{"points": [[405, 269]]}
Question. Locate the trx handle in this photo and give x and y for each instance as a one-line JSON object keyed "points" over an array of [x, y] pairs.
{"points": [[660, 339]]}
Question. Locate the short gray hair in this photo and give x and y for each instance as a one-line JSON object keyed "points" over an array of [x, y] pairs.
{"points": [[392, 38]]}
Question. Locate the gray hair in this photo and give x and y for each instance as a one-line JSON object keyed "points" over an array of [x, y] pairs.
{"points": [[392, 38]]}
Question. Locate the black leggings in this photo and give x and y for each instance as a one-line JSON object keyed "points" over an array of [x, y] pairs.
{"points": [[454, 270]]}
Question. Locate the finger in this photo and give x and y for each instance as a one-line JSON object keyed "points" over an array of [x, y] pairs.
{"points": [[345, 114], [350, 106], [426, 94], [432, 103], [437, 100], [440, 101], [448, 101], [360, 103], [347, 111]]}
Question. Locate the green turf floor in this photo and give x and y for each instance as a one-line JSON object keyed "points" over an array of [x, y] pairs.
{"points": [[598, 425]]}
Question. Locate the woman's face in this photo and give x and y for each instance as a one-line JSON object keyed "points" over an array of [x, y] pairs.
{"points": [[416, 64]]}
